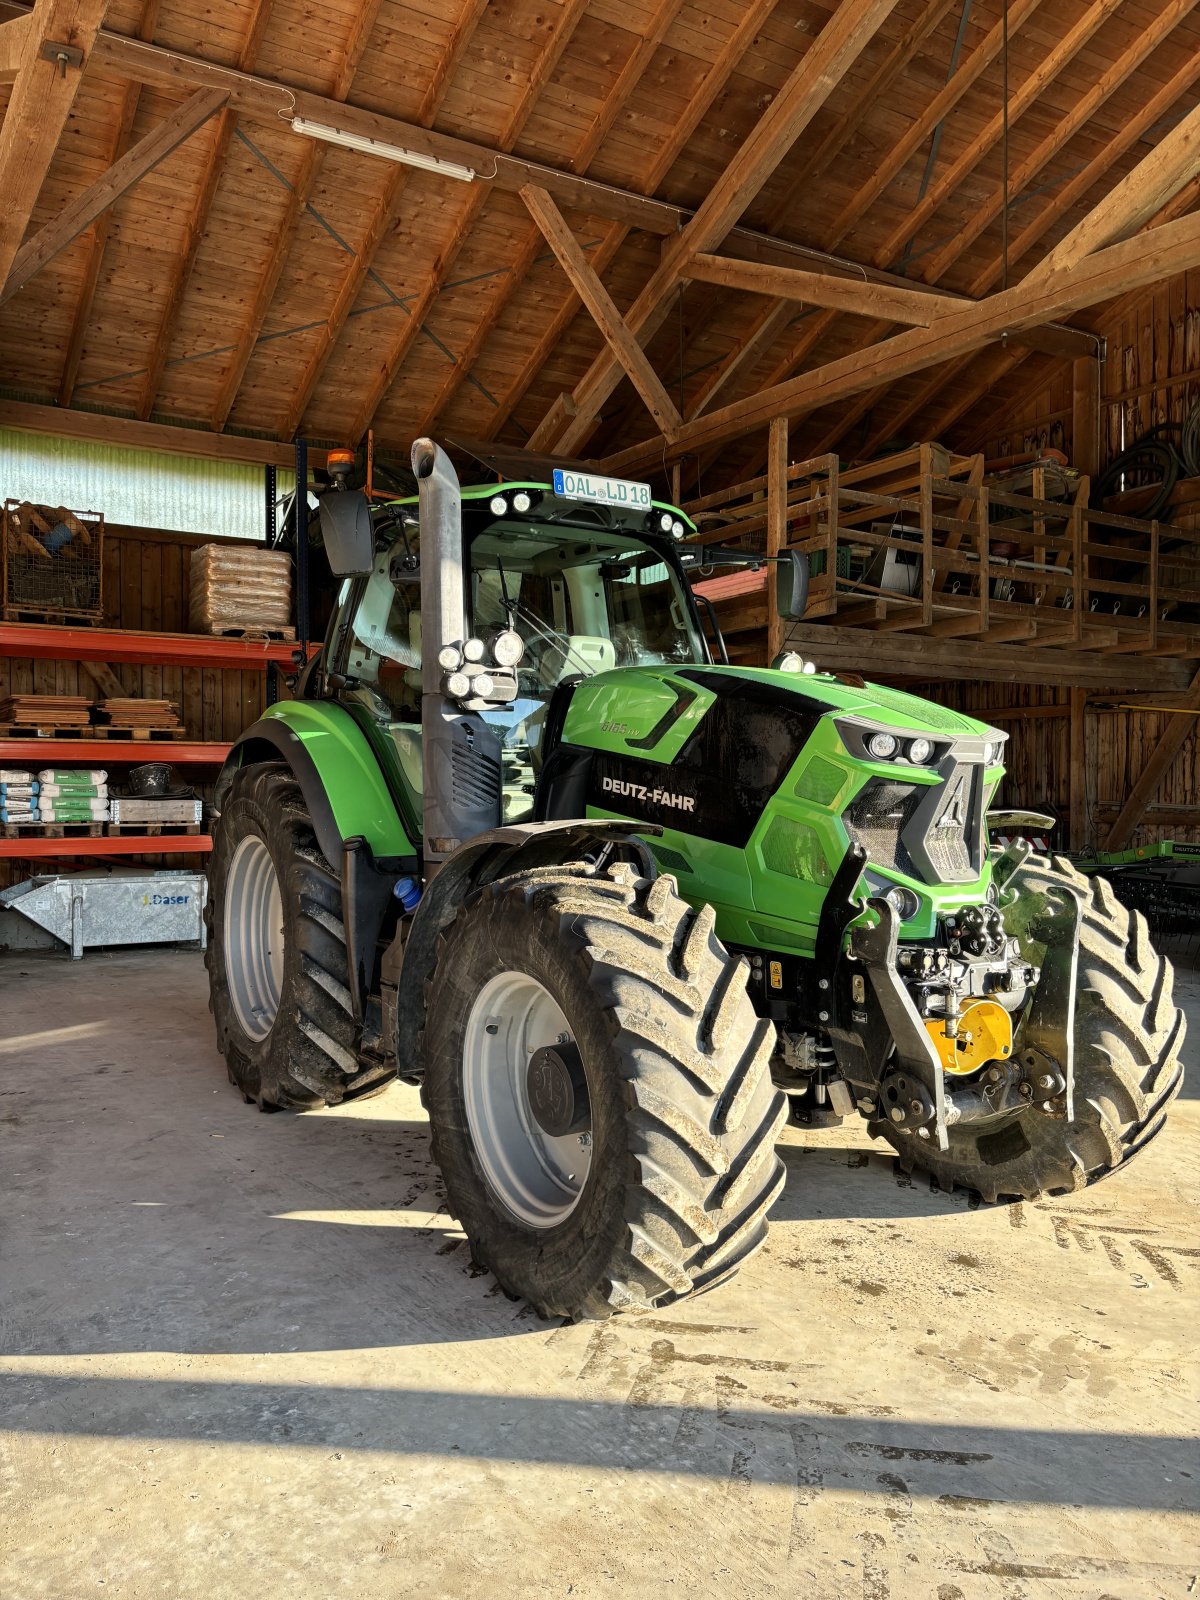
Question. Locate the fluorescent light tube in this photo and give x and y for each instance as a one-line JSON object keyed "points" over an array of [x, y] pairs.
{"points": [[376, 147]]}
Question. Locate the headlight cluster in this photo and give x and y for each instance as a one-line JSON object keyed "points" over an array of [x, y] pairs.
{"points": [[521, 501], [468, 675], [903, 901], [888, 747]]}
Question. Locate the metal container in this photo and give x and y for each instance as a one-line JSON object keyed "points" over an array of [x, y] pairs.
{"points": [[87, 910]]}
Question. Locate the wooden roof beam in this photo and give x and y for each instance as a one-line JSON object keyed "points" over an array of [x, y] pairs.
{"points": [[1081, 112], [197, 223], [713, 83], [39, 104], [13, 37], [380, 221], [816, 75], [951, 178], [856, 296], [1060, 204], [602, 307], [297, 203], [93, 427], [563, 27], [1174, 160], [1148, 258], [81, 212]]}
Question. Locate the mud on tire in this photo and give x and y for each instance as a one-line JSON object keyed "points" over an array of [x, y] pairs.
{"points": [[307, 1058], [1128, 1035], [684, 1117]]}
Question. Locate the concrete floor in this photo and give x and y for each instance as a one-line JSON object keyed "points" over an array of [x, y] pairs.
{"points": [[244, 1355]]}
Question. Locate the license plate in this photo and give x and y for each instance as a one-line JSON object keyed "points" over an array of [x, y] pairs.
{"points": [[604, 491]]}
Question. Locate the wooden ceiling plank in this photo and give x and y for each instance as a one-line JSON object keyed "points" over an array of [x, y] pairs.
{"points": [[98, 242], [297, 204], [821, 289], [1174, 160], [769, 327], [1147, 258], [816, 75], [951, 178], [1060, 204], [197, 223], [935, 112], [570, 14], [13, 39], [149, 152], [1083, 108], [39, 104], [92, 427], [381, 219], [601, 306]]}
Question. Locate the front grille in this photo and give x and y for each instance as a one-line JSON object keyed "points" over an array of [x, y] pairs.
{"points": [[877, 818]]}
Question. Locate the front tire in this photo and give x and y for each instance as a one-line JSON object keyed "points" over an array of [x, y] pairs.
{"points": [[663, 1183], [276, 957], [1128, 1035]]}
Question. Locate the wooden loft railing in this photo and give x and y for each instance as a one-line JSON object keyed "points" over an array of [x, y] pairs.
{"points": [[923, 544]]}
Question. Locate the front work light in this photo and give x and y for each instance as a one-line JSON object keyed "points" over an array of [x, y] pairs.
{"points": [[882, 746]]}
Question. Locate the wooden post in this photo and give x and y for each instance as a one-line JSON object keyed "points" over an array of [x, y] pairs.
{"points": [[926, 492], [676, 481], [1085, 415], [985, 559], [777, 492], [1077, 557], [1153, 604], [1077, 775]]}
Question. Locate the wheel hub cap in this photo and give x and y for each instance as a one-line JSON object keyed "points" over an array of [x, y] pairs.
{"points": [[254, 937]]}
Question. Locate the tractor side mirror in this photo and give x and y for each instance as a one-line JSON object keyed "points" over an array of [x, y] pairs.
{"points": [[791, 584], [346, 531]]}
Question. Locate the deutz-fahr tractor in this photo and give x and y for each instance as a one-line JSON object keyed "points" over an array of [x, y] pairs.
{"points": [[620, 908]]}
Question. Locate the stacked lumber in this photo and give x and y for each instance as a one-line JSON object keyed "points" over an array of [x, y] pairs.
{"points": [[240, 589], [133, 713], [46, 710]]}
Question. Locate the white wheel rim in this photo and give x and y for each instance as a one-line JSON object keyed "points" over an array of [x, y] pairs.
{"points": [[254, 938], [536, 1176]]}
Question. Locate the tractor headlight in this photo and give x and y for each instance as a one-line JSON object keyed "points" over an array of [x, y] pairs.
{"points": [[473, 650], [483, 684], [883, 746], [919, 751], [498, 505], [903, 902], [507, 648], [449, 658], [665, 520], [457, 685], [522, 501], [677, 529]]}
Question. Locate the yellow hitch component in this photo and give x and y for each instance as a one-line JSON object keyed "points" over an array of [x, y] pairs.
{"points": [[984, 1034]]}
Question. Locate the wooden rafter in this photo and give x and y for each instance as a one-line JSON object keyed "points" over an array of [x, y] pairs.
{"points": [[823, 66], [1083, 108], [13, 36], [1069, 194], [94, 428], [1148, 258], [38, 106], [559, 37], [297, 203], [630, 75], [698, 106], [602, 307], [839, 293], [380, 221], [768, 328], [197, 222], [951, 178], [80, 213]]}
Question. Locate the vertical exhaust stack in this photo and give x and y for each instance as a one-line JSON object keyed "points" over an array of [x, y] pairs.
{"points": [[461, 753]]}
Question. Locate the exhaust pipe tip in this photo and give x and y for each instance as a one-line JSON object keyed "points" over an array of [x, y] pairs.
{"points": [[424, 457]]}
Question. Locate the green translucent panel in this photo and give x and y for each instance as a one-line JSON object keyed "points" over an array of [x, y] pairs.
{"points": [[671, 860], [795, 851], [820, 782]]}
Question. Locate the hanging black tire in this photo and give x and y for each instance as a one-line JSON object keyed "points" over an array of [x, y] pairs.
{"points": [[647, 1051], [276, 957], [1128, 1035]]}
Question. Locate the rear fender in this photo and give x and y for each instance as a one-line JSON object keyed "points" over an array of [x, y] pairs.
{"points": [[408, 965], [353, 815]]}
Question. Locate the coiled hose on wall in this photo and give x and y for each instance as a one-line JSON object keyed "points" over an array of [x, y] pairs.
{"points": [[1167, 452]]}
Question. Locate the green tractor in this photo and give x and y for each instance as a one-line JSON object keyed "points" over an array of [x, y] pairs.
{"points": [[620, 910]]}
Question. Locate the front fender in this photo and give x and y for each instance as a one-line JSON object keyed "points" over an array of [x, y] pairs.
{"points": [[338, 772]]}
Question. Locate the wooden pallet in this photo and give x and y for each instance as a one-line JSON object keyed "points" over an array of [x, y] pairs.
{"points": [[52, 830], [149, 830], [87, 730], [233, 631]]}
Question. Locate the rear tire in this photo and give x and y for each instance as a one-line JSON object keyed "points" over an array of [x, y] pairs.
{"points": [[677, 1169], [276, 958], [1128, 1035]]}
